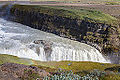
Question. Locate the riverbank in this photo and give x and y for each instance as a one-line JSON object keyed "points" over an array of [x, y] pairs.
{"points": [[100, 70]]}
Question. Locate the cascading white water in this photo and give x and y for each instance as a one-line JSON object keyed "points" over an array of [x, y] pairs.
{"points": [[18, 40]]}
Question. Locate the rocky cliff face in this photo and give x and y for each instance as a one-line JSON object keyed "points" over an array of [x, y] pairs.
{"points": [[104, 37]]}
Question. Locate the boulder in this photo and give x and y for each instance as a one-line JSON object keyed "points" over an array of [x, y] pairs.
{"points": [[47, 46]]}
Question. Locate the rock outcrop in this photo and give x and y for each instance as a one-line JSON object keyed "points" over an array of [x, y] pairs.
{"points": [[47, 46], [13, 71]]}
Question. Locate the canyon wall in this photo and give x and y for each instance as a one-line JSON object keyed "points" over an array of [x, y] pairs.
{"points": [[104, 37]]}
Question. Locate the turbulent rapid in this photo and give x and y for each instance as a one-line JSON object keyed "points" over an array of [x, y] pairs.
{"points": [[22, 41]]}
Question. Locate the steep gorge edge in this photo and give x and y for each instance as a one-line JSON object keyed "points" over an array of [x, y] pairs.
{"points": [[102, 36]]}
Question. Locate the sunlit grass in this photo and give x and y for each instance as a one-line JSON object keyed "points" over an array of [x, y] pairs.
{"points": [[78, 67], [82, 14], [14, 59], [75, 66]]}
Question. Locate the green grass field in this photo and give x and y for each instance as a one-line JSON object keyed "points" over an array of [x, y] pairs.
{"points": [[81, 68], [75, 66], [4, 58]]}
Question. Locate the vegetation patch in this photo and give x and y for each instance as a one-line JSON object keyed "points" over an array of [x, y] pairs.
{"points": [[82, 14], [76, 66], [4, 58], [68, 69], [112, 3]]}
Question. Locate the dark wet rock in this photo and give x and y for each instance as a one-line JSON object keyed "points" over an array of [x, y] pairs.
{"points": [[38, 50], [115, 69], [114, 57], [43, 42], [47, 46], [38, 41], [13, 71], [119, 70]]}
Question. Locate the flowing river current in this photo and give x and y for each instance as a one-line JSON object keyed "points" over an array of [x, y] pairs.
{"points": [[25, 42]]}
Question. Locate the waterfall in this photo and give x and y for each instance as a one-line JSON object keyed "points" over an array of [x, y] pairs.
{"points": [[22, 41]]}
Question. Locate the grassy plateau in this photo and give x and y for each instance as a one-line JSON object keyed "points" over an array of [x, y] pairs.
{"points": [[82, 14], [81, 68]]}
